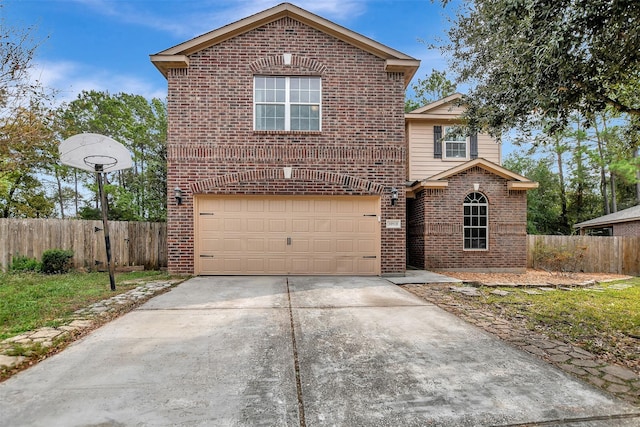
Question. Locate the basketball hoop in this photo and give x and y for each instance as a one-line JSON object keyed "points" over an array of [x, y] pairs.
{"points": [[97, 153], [88, 151]]}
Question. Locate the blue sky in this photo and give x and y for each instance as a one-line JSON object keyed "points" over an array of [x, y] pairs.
{"points": [[105, 44]]}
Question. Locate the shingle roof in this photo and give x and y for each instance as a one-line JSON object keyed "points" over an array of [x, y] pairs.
{"points": [[630, 214]]}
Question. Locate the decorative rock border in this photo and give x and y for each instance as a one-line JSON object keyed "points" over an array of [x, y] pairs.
{"points": [[620, 381], [41, 342]]}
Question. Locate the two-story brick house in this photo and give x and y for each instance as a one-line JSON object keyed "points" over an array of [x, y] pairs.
{"points": [[287, 148], [286, 141]]}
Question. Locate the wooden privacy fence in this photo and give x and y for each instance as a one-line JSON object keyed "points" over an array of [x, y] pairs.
{"points": [[590, 254], [132, 243]]}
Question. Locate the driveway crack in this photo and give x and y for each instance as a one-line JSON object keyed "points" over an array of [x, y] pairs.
{"points": [[296, 361]]}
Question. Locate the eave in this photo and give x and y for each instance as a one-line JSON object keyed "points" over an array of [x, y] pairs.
{"points": [[396, 61]]}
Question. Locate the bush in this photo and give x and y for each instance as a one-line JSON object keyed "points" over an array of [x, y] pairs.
{"points": [[24, 263], [558, 258], [56, 261]]}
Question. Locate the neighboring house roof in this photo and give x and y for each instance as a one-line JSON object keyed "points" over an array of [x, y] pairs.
{"points": [[626, 215], [422, 112], [514, 180], [178, 56]]}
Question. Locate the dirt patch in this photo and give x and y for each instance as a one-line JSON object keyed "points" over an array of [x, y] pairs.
{"points": [[533, 277]]}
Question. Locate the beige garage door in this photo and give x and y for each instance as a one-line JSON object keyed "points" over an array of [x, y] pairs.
{"points": [[257, 235]]}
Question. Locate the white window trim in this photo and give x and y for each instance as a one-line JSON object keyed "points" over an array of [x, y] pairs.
{"points": [[486, 227], [467, 143], [287, 106]]}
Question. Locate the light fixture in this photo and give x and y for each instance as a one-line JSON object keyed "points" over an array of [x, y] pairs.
{"points": [[177, 193], [394, 196]]}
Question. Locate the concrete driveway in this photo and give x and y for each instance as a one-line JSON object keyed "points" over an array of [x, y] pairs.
{"points": [[276, 351]]}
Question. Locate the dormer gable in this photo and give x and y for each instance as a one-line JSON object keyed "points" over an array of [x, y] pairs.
{"points": [[515, 182], [447, 108]]}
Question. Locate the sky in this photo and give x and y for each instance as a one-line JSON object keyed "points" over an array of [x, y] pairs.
{"points": [[105, 45]]}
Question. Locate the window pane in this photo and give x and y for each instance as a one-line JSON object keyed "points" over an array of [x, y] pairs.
{"points": [[271, 100], [475, 221], [305, 117], [269, 117]]}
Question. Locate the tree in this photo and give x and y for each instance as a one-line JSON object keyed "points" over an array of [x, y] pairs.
{"points": [[25, 137], [544, 215], [436, 86], [532, 59], [141, 125]]}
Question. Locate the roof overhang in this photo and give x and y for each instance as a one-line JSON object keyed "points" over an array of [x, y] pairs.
{"points": [[166, 62], [396, 61], [515, 182]]}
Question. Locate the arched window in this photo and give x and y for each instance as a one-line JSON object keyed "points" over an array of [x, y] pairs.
{"points": [[476, 221]]}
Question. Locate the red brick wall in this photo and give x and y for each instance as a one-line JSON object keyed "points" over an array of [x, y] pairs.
{"points": [[213, 149], [442, 211]]}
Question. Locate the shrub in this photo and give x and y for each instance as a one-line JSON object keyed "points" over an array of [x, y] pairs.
{"points": [[24, 263], [56, 261], [558, 258]]}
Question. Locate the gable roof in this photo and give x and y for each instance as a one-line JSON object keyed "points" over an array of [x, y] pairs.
{"points": [[178, 56], [514, 180], [429, 111], [625, 215]]}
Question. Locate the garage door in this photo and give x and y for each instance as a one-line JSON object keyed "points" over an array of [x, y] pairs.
{"points": [[257, 235]]}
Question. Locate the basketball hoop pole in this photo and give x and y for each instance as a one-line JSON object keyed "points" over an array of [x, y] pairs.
{"points": [[105, 225]]}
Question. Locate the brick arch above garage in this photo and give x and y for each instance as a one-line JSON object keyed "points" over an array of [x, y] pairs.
{"points": [[277, 174]]}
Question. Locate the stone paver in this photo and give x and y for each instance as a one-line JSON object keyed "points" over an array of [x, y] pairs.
{"points": [[615, 379], [83, 319]]}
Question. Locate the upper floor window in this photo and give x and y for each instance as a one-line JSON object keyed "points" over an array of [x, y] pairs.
{"points": [[476, 221], [455, 144], [287, 103]]}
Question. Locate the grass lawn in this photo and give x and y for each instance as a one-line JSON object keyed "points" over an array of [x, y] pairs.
{"points": [[32, 300], [604, 320]]}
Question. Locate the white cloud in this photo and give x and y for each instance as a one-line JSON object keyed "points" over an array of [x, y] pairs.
{"points": [[70, 78], [205, 15]]}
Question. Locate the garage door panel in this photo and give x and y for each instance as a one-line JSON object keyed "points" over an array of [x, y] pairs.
{"points": [[232, 224], [255, 245], [277, 265], [322, 225], [323, 266], [256, 265], [211, 245], [231, 205], [300, 266], [344, 245], [287, 235], [276, 245], [277, 205], [300, 245], [255, 225], [322, 246], [277, 225], [300, 225]]}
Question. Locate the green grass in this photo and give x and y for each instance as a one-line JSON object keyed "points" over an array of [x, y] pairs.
{"points": [[32, 300], [602, 322]]}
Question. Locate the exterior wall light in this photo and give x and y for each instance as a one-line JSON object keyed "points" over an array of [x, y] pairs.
{"points": [[394, 196], [177, 193]]}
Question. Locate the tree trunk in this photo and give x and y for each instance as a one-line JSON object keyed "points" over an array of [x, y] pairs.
{"points": [[563, 194], [603, 172], [614, 202], [60, 197]]}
